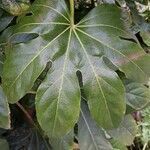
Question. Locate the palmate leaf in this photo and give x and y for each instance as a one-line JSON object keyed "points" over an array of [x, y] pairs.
{"points": [[70, 48]]}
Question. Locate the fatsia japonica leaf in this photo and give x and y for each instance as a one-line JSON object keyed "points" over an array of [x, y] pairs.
{"points": [[70, 47], [90, 136], [4, 111]]}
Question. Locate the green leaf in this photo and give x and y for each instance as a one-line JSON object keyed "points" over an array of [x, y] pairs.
{"points": [[126, 132], [15, 7], [4, 144], [5, 20], [146, 37], [29, 59], [137, 95], [4, 111], [117, 145], [63, 143], [71, 48], [58, 97], [1, 62], [117, 47], [90, 136]]}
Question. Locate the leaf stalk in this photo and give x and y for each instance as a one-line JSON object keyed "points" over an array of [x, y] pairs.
{"points": [[72, 13]]}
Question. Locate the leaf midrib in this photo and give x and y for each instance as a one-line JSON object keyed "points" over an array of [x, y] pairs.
{"points": [[44, 23], [62, 81], [95, 74], [93, 139]]}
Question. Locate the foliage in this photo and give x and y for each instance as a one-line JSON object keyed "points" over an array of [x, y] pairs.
{"points": [[83, 67], [145, 125], [15, 7], [4, 111], [4, 144]]}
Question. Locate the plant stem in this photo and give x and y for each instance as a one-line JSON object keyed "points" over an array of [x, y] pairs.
{"points": [[72, 12], [145, 145], [32, 122], [26, 114]]}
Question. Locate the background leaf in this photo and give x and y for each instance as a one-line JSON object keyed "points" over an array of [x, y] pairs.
{"points": [[3, 144], [146, 36], [90, 136], [137, 95], [5, 20], [37, 142], [117, 145], [145, 124], [1, 62], [63, 143], [4, 111], [126, 132]]}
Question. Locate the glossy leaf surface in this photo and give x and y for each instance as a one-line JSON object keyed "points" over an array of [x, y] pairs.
{"points": [[70, 48]]}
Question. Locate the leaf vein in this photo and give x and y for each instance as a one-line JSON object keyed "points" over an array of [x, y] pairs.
{"points": [[62, 81]]}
